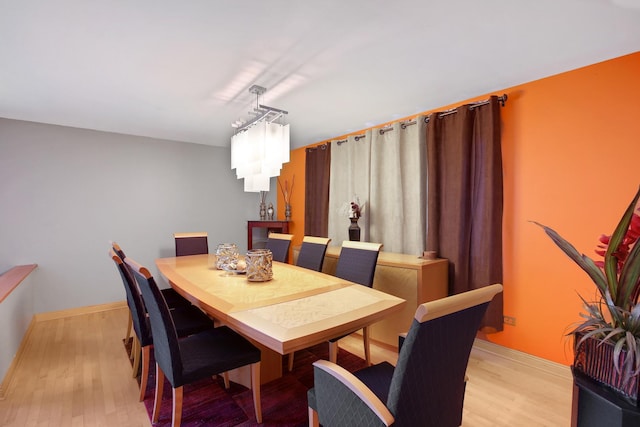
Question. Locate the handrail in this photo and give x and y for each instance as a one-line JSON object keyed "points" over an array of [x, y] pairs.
{"points": [[12, 278]]}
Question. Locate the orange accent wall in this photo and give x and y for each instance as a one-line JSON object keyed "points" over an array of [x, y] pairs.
{"points": [[294, 171], [571, 160]]}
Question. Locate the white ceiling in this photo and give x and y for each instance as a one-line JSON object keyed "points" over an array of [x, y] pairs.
{"points": [[181, 70]]}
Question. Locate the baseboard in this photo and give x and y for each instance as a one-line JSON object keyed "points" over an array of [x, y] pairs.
{"points": [[6, 381], [528, 360], [53, 315]]}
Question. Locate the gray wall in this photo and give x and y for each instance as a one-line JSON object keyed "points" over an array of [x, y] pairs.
{"points": [[16, 312], [66, 192]]}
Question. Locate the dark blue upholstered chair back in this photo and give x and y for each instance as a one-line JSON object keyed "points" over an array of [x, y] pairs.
{"points": [[191, 243], [134, 301], [431, 368], [357, 262], [118, 250], [165, 348], [312, 252], [279, 245], [173, 298]]}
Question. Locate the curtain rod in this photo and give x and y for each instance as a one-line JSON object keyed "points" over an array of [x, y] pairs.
{"points": [[357, 138], [501, 99], [321, 147]]}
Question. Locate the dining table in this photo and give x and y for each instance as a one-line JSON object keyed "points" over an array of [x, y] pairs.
{"points": [[296, 309]]}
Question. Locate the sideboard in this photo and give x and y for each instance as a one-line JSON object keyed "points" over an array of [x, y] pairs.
{"points": [[406, 276], [258, 238]]}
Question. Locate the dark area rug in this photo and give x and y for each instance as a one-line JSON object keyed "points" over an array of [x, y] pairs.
{"points": [[284, 401]]}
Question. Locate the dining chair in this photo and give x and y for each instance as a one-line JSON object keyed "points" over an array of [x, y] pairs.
{"points": [[188, 320], [173, 298], [310, 256], [198, 356], [120, 253], [194, 243], [278, 244], [425, 388], [312, 252], [356, 263]]}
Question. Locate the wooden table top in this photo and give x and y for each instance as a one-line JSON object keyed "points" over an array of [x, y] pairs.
{"points": [[296, 309]]}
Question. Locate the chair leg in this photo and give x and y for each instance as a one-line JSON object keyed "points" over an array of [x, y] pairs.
{"points": [[255, 387], [367, 348], [135, 351], [313, 418], [333, 351], [176, 418], [291, 361], [129, 325], [157, 402], [144, 376]]}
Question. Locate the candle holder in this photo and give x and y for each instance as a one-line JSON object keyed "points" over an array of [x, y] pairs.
{"points": [[259, 265], [227, 256]]}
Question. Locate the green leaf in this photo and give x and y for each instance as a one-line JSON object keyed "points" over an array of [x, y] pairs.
{"points": [[582, 260], [601, 284], [610, 261], [630, 277]]}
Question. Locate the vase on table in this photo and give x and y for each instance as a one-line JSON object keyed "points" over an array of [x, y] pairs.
{"points": [[227, 256], [354, 230], [259, 265]]}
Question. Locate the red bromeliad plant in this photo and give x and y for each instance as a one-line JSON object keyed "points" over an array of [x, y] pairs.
{"points": [[615, 317]]}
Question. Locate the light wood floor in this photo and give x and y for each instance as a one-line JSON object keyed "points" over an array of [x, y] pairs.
{"points": [[73, 372]]}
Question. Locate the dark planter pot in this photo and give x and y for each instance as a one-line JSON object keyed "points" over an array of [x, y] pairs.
{"points": [[595, 359], [354, 230]]}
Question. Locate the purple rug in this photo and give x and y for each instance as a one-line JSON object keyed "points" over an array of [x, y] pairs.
{"points": [[284, 401]]}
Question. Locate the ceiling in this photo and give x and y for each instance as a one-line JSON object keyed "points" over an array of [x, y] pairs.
{"points": [[181, 70]]}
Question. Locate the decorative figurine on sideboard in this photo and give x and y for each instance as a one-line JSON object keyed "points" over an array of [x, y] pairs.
{"points": [[354, 228]]}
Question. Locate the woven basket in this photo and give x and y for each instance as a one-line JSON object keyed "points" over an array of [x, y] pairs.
{"points": [[594, 358]]}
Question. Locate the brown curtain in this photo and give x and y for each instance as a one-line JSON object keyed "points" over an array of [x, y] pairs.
{"points": [[316, 193], [464, 163]]}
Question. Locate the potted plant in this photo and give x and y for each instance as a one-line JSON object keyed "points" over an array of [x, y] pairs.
{"points": [[611, 326]]}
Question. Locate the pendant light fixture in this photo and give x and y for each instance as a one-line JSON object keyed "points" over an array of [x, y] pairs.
{"points": [[260, 145]]}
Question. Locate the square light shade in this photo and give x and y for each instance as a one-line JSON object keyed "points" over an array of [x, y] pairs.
{"points": [[258, 153]]}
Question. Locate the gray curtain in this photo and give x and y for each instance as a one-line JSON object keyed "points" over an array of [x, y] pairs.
{"points": [[465, 199], [350, 171], [397, 214]]}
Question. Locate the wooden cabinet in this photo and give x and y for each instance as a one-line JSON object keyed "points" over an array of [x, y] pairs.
{"points": [[258, 231], [406, 276]]}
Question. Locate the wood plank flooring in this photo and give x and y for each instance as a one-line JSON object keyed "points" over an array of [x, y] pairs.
{"points": [[74, 372]]}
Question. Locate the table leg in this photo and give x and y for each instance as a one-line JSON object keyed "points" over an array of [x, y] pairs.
{"points": [[270, 368]]}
